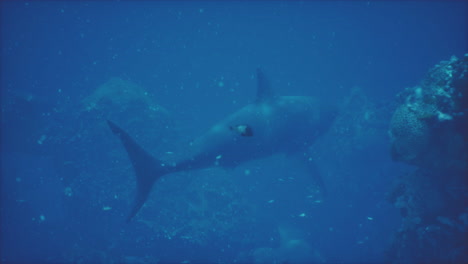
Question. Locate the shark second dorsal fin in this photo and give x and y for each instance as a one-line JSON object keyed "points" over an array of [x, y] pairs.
{"points": [[264, 91]]}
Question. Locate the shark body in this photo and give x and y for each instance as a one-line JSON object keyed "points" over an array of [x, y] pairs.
{"points": [[272, 124]]}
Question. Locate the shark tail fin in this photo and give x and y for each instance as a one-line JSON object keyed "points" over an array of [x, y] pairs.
{"points": [[147, 168]]}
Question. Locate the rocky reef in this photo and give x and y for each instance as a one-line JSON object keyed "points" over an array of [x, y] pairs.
{"points": [[429, 129]]}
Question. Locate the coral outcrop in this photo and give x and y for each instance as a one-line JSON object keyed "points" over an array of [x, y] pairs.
{"points": [[429, 129]]}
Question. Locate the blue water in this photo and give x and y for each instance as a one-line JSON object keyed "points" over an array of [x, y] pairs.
{"points": [[67, 184]]}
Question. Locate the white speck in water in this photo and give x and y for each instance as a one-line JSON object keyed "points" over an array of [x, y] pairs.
{"points": [[41, 139], [68, 191]]}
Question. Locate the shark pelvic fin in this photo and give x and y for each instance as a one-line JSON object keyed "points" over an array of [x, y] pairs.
{"points": [[147, 168], [264, 91]]}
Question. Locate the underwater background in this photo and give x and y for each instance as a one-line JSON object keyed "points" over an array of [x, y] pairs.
{"points": [[168, 70]]}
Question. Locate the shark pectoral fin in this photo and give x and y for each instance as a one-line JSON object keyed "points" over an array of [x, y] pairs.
{"points": [[320, 183], [147, 168], [313, 171]]}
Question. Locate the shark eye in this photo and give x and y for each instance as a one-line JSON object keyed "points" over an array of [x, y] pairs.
{"points": [[242, 130]]}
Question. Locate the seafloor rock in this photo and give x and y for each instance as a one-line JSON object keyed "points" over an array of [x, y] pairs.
{"points": [[429, 129], [209, 207], [292, 249], [119, 92], [89, 138]]}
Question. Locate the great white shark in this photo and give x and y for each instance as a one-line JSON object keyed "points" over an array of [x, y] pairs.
{"points": [[271, 124]]}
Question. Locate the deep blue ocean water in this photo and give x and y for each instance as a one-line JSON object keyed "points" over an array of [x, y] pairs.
{"points": [[168, 70]]}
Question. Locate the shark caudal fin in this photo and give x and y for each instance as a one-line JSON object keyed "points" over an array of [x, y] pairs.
{"points": [[147, 168]]}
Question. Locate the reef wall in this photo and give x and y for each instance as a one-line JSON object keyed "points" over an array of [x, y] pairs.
{"points": [[429, 129]]}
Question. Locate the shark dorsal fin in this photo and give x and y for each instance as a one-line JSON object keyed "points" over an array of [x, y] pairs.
{"points": [[264, 91]]}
